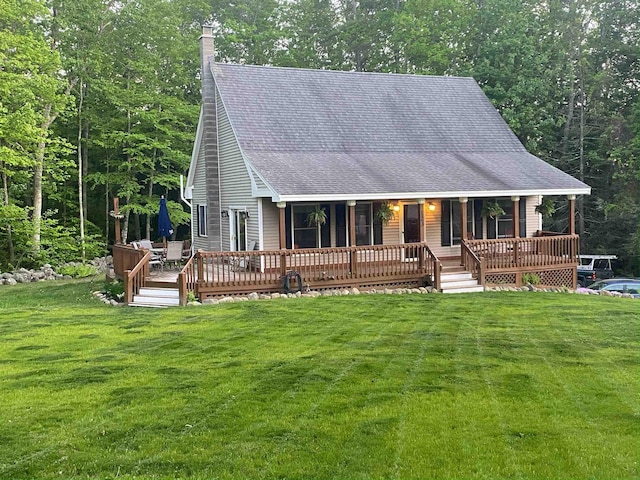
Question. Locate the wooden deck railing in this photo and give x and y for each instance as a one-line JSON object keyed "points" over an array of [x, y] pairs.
{"points": [[135, 278], [125, 258], [218, 272], [525, 253], [187, 279], [472, 263]]}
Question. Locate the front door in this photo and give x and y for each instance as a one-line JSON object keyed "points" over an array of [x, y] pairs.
{"points": [[411, 228], [411, 223]]}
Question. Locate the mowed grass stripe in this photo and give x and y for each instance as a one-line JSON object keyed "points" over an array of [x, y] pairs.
{"points": [[358, 387]]}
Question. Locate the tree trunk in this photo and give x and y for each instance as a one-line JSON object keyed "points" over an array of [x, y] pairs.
{"points": [[5, 189], [81, 197], [48, 118], [583, 100]]}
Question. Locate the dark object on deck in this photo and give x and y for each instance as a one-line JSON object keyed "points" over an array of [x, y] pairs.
{"points": [[287, 281]]}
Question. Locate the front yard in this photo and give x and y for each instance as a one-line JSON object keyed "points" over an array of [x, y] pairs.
{"points": [[489, 385]]}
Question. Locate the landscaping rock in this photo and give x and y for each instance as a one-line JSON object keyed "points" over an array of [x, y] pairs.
{"points": [[211, 301], [253, 296], [355, 291]]}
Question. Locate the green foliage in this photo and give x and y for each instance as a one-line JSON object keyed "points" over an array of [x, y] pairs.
{"points": [[546, 208], [530, 279], [385, 213], [114, 290], [484, 386], [77, 270], [317, 217], [492, 209]]}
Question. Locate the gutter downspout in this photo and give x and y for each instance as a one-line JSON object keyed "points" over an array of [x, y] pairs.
{"points": [[182, 193]]}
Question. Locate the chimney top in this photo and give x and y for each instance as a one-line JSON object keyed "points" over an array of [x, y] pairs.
{"points": [[207, 31]]}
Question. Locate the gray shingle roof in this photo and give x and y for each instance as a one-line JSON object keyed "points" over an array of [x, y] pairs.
{"points": [[320, 132]]}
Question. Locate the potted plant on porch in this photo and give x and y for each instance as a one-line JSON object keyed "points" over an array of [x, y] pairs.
{"points": [[546, 208], [492, 209], [317, 217], [385, 213]]}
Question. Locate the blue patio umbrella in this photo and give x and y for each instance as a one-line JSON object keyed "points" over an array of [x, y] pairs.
{"points": [[164, 222]]}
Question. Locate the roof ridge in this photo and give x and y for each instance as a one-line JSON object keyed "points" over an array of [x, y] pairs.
{"points": [[347, 72]]}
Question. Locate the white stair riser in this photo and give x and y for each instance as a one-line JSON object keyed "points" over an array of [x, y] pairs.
{"points": [[449, 286], [456, 277], [156, 300], [465, 290], [160, 292]]}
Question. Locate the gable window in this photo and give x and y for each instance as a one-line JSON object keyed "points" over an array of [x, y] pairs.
{"points": [[201, 213]]}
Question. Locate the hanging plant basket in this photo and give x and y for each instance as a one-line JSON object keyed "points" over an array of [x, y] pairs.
{"points": [[317, 217], [385, 213], [546, 208], [492, 209]]}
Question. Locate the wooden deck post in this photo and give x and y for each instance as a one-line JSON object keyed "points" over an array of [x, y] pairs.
{"points": [[421, 226], [516, 217], [283, 237], [463, 217], [352, 236], [572, 214]]}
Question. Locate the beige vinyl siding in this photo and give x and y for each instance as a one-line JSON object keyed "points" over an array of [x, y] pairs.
{"points": [[199, 198], [391, 232], [533, 218], [235, 183], [270, 225]]}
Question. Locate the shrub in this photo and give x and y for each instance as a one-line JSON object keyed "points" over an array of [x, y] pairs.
{"points": [[78, 270], [114, 290], [530, 278]]}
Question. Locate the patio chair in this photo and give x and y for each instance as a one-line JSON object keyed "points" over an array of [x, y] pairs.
{"points": [[242, 263], [145, 243], [156, 256], [186, 249], [174, 253]]}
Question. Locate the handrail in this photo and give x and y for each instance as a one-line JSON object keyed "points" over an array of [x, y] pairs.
{"points": [[472, 263], [187, 279], [321, 266], [436, 269], [518, 253], [134, 279]]}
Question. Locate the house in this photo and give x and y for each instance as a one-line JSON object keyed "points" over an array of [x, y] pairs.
{"points": [[275, 144]]}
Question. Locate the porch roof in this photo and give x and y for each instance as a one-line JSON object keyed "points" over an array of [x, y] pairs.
{"points": [[311, 134]]}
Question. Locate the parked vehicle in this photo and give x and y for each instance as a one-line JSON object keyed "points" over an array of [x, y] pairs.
{"points": [[621, 285], [594, 267]]}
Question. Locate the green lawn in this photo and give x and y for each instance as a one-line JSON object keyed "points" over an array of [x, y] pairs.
{"points": [[493, 385]]}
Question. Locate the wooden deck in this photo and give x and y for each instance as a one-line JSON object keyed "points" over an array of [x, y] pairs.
{"points": [[503, 261]]}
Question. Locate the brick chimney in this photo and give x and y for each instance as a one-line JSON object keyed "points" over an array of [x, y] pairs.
{"points": [[210, 140]]}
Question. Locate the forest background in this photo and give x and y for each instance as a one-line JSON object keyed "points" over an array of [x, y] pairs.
{"points": [[100, 99]]}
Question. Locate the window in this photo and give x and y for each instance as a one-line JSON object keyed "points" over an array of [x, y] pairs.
{"points": [[451, 222], [202, 220], [363, 224], [304, 235], [502, 227]]}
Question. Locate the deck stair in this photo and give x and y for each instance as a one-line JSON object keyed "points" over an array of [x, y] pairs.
{"points": [[455, 279], [156, 297]]}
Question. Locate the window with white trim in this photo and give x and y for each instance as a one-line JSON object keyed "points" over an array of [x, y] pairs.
{"points": [[201, 213]]}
